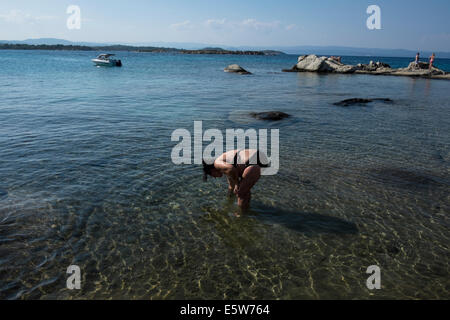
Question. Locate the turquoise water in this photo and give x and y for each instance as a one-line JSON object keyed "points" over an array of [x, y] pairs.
{"points": [[86, 179]]}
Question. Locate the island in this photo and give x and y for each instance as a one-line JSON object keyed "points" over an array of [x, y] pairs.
{"points": [[110, 48]]}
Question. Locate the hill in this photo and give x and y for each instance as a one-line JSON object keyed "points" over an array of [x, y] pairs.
{"points": [[110, 48]]}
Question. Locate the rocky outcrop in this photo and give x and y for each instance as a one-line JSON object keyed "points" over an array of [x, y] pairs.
{"points": [[270, 115], [358, 101], [422, 67], [419, 66], [413, 70], [313, 63], [373, 66], [235, 68]]}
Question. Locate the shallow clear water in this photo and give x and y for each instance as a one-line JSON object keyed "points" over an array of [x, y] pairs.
{"points": [[86, 179]]}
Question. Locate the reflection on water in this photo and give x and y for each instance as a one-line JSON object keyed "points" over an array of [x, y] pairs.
{"points": [[86, 179]]}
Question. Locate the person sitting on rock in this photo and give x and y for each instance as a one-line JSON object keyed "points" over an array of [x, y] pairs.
{"points": [[338, 59], [242, 169]]}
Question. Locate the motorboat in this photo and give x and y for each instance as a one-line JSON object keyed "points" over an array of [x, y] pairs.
{"points": [[105, 60]]}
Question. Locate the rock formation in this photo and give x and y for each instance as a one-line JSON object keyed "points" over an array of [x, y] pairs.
{"points": [[422, 67], [270, 115], [235, 68], [313, 63], [373, 66], [358, 101]]}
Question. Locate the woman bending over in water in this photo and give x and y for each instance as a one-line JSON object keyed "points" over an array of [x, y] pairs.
{"points": [[242, 169]]}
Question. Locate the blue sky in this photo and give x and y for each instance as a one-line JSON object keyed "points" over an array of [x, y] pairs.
{"points": [[406, 24]]}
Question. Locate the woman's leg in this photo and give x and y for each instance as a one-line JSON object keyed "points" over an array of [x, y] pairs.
{"points": [[250, 176], [244, 201]]}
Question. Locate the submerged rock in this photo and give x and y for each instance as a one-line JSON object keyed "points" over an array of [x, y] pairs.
{"points": [[404, 177], [270, 115], [3, 193], [393, 249], [409, 177], [235, 68], [358, 101]]}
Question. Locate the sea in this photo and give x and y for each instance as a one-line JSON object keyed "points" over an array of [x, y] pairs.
{"points": [[87, 180]]}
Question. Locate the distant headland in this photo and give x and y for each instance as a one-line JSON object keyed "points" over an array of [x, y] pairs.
{"points": [[109, 48], [225, 49]]}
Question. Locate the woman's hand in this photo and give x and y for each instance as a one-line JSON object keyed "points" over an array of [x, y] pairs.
{"points": [[236, 189]]}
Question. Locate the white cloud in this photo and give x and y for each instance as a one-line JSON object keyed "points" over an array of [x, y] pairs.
{"points": [[182, 25], [260, 26], [20, 17], [247, 24], [216, 23], [291, 27]]}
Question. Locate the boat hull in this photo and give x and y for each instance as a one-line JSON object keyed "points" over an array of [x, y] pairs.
{"points": [[105, 63]]}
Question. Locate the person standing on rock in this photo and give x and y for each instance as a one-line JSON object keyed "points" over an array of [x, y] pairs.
{"points": [[242, 169], [433, 56]]}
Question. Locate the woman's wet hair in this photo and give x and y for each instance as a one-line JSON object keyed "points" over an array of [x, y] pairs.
{"points": [[207, 168]]}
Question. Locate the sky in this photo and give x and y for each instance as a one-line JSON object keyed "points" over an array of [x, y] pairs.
{"points": [[405, 24]]}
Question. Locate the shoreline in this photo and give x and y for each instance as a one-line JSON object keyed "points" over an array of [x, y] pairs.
{"points": [[149, 49], [401, 73], [396, 73]]}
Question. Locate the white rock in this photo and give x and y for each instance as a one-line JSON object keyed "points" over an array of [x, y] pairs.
{"points": [[314, 63]]}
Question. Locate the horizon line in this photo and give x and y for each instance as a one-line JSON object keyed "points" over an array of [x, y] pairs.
{"points": [[223, 45]]}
